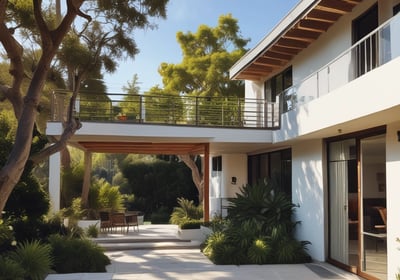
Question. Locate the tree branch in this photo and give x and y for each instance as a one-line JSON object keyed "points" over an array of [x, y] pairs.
{"points": [[69, 130]]}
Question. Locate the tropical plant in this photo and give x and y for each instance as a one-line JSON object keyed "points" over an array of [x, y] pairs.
{"points": [[10, 269], [259, 251], [259, 230], [263, 204], [34, 257], [109, 197], [92, 231], [77, 255], [186, 212]]}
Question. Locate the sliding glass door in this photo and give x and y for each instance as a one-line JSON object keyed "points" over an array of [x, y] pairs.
{"points": [[341, 153]]}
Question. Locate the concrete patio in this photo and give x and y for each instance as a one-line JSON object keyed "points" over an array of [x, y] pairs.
{"points": [[155, 252]]}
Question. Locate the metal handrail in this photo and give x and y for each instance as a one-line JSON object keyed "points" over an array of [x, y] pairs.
{"points": [[232, 112]]}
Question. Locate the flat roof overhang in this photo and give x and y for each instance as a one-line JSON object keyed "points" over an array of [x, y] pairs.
{"points": [[162, 139], [302, 26]]}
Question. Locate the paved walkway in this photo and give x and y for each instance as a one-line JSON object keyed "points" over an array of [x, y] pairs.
{"points": [[186, 263]]}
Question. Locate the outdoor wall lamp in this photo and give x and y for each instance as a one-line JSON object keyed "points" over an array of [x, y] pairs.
{"points": [[234, 180]]}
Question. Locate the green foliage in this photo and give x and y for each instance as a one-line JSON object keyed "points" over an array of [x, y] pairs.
{"points": [[75, 211], [28, 199], [109, 197], [191, 224], [186, 212], [72, 255], [259, 230], [259, 251], [263, 204], [92, 231], [160, 216], [208, 55], [158, 183], [71, 186], [34, 257], [11, 269], [6, 236]]}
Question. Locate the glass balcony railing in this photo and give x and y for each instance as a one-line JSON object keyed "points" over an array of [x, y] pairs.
{"points": [[380, 46], [229, 112]]}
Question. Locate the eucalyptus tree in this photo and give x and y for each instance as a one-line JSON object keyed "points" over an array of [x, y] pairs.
{"points": [[32, 17]]}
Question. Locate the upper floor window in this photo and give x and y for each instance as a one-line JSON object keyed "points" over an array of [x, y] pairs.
{"points": [[277, 84], [396, 9]]}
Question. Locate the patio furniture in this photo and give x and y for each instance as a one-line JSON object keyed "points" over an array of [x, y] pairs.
{"points": [[383, 214], [105, 221], [132, 220], [118, 220]]}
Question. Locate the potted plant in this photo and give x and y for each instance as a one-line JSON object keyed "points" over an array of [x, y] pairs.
{"points": [[122, 117]]}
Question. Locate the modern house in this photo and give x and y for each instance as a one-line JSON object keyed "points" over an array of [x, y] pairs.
{"points": [[322, 112]]}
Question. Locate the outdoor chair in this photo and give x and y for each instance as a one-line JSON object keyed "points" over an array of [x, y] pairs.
{"points": [[118, 220], [132, 219], [105, 221], [382, 212]]}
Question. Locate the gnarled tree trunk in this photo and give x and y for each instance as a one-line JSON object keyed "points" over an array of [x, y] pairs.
{"points": [[197, 177]]}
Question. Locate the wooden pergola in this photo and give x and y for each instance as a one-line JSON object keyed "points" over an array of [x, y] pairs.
{"points": [[152, 148]]}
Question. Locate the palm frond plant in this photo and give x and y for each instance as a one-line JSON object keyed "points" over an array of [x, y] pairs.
{"points": [[186, 211], [259, 229], [34, 257], [10, 269], [263, 204]]}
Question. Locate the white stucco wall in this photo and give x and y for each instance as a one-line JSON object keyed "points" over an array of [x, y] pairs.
{"points": [[221, 186], [55, 181], [392, 198], [308, 192]]}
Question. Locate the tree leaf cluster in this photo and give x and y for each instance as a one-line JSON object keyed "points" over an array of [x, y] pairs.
{"points": [[207, 56]]}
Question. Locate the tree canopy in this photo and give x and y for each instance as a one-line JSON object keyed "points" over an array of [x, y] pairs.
{"points": [[207, 56], [43, 26]]}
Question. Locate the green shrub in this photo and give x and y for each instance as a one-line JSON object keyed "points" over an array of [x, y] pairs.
{"points": [[161, 216], [192, 224], [34, 257], [92, 231], [10, 269], [6, 236], [259, 252], [185, 212], [73, 255], [259, 230]]}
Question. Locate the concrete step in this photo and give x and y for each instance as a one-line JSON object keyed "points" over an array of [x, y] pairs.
{"points": [[115, 244]]}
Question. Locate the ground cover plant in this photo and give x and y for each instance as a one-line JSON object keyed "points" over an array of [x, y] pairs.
{"points": [[258, 230]]}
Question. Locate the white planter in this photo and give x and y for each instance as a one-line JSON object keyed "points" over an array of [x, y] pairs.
{"points": [[191, 234], [84, 224], [206, 231], [140, 220]]}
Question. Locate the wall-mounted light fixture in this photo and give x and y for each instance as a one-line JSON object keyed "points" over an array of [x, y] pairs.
{"points": [[398, 135], [234, 180]]}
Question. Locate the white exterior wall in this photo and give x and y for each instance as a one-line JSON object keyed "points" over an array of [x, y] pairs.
{"points": [[308, 192], [392, 198], [221, 186], [55, 181], [360, 98]]}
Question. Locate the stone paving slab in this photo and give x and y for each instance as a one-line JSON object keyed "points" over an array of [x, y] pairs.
{"points": [[160, 262], [192, 264]]}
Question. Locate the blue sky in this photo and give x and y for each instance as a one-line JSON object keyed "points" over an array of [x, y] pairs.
{"points": [[255, 18]]}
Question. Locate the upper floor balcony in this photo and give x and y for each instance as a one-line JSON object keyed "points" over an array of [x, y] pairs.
{"points": [[374, 50], [230, 112]]}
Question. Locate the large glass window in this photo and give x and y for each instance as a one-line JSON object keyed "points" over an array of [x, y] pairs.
{"points": [[277, 84], [277, 165]]}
